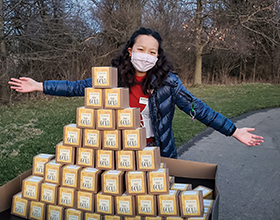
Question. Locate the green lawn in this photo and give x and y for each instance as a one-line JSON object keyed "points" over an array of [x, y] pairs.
{"points": [[27, 129]]}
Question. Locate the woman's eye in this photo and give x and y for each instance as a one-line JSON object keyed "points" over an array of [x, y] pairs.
{"points": [[153, 52], [140, 49]]}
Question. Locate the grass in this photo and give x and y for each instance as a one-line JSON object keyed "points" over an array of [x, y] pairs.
{"points": [[27, 129]]}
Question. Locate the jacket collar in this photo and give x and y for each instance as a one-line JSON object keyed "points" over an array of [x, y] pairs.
{"points": [[169, 81]]}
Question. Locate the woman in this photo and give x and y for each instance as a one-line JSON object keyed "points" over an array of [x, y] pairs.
{"points": [[144, 69]]}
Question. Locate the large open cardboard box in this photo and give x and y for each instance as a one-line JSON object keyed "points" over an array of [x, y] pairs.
{"points": [[184, 171]]}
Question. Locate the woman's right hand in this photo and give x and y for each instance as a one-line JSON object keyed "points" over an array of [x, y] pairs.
{"points": [[25, 84]]}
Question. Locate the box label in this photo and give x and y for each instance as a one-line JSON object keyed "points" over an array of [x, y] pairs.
{"points": [[64, 155], [66, 198], [40, 167], [146, 206], [105, 120], [36, 212], [94, 98], [20, 208], [73, 217], [55, 215], [124, 207], [111, 185], [136, 185], [168, 207], [113, 99], [92, 139], [48, 195], [104, 205], [158, 184], [85, 158], [101, 78], [132, 140], [191, 207], [125, 119], [146, 161], [104, 160], [72, 137], [86, 119], [52, 175], [111, 140], [125, 161], [84, 202], [30, 191], [87, 182]]}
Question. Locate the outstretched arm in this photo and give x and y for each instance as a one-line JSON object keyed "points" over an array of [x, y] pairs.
{"points": [[25, 84], [245, 137]]}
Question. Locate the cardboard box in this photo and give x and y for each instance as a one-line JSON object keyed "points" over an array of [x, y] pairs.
{"points": [[136, 183], [125, 160], [85, 157], [191, 204], [90, 179], [154, 218], [67, 197], [148, 159], [20, 206], [128, 118], [195, 173], [92, 138], [73, 214], [105, 119], [112, 182], [158, 182], [168, 204], [72, 135], [104, 204], [105, 160], [85, 201], [112, 217], [181, 186], [53, 172], [94, 98], [39, 163], [85, 118], [134, 218], [70, 176], [112, 140], [125, 205], [116, 98], [65, 154], [146, 205], [174, 218], [208, 203], [37, 210], [104, 77], [134, 139], [206, 192], [31, 188], [55, 212], [92, 216], [49, 193]]}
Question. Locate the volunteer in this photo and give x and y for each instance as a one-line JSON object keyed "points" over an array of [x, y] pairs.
{"points": [[154, 88]]}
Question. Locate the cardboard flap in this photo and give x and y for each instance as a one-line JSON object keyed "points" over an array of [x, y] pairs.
{"points": [[190, 169], [11, 188]]}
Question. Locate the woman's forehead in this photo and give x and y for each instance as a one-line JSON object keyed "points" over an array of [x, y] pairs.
{"points": [[146, 41]]}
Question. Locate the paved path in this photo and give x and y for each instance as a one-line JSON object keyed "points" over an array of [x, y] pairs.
{"points": [[248, 177]]}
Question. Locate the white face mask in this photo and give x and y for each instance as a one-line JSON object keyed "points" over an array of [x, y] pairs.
{"points": [[143, 61]]}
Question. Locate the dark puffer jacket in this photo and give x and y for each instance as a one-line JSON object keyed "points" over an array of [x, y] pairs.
{"points": [[162, 103]]}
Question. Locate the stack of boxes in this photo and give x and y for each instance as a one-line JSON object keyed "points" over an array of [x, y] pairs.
{"points": [[103, 170]]}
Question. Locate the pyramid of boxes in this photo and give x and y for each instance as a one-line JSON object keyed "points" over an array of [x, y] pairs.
{"points": [[103, 170]]}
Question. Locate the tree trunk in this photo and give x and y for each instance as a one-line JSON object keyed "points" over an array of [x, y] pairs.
{"points": [[198, 45], [4, 88]]}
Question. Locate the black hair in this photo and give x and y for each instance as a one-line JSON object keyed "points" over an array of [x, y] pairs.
{"points": [[126, 76]]}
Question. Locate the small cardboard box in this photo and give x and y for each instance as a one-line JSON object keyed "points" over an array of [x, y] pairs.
{"points": [[31, 188], [125, 160], [92, 138], [136, 183], [112, 217], [55, 212], [112, 140], [105, 119], [37, 210], [134, 218], [70, 176], [191, 204], [112, 182], [125, 205], [105, 160], [39, 163], [174, 218], [53, 172], [72, 135], [92, 216], [85, 201], [181, 186], [168, 204], [158, 181], [104, 77], [206, 192], [146, 205], [104, 204], [116, 98], [20, 206], [208, 203], [134, 139], [67, 197], [49, 193], [154, 218], [85, 118], [65, 154], [73, 214], [128, 118], [94, 98], [148, 159], [90, 179], [85, 157]]}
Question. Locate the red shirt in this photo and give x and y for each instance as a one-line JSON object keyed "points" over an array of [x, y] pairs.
{"points": [[135, 93]]}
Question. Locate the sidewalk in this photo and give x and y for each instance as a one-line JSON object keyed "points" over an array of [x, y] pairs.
{"points": [[248, 177]]}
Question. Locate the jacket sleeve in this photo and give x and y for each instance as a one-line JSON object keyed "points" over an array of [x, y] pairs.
{"points": [[203, 113], [66, 88]]}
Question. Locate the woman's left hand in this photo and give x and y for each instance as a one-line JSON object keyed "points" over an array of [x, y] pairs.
{"points": [[245, 137]]}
